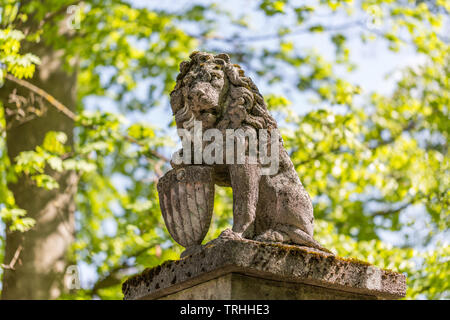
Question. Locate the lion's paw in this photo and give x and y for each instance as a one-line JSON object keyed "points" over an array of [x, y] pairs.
{"points": [[271, 236], [229, 234]]}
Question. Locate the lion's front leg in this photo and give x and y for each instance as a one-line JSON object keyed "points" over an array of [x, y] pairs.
{"points": [[245, 184]]}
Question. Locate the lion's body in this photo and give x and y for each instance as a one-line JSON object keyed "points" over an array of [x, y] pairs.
{"points": [[272, 207], [284, 211]]}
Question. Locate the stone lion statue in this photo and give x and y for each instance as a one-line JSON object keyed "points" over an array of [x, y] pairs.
{"points": [[270, 208]]}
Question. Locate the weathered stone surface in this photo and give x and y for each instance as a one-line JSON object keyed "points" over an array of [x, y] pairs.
{"points": [[186, 198], [235, 286], [272, 207], [271, 265]]}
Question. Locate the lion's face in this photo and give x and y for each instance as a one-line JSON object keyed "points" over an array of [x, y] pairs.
{"points": [[203, 87], [216, 92]]}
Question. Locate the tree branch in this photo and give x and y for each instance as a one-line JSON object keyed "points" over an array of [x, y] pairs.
{"points": [[277, 35], [53, 14], [318, 156], [55, 103], [154, 153], [13, 261], [392, 210], [66, 111], [411, 125], [113, 278]]}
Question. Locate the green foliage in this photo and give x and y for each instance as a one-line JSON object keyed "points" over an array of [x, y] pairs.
{"points": [[15, 218], [366, 158], [19, 65], [432, 279]]}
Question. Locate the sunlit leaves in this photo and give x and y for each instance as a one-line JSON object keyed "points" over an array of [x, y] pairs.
{"points": [[45, 181], [303, 12], [272, 7], [54, 142], [16, 219], [19, 65], [316, 28], [432, 279], [133, 43], [277, 102]]}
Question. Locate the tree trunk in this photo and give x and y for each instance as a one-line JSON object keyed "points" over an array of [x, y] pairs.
{"points": [[39, 271]]}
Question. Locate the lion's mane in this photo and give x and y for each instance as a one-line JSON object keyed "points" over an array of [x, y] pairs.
{"points": [[242, 94]]}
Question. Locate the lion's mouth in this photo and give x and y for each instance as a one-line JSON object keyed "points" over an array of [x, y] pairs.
{"points": [[204, 105], [204, 100]]}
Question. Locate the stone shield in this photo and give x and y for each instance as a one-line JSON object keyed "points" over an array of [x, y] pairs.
{"points": [[186, 198]]}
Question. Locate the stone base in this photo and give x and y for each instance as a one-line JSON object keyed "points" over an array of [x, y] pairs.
{"points": [[247, 270], [235, 286]]}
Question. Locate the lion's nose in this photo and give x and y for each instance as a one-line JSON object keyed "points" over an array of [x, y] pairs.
{"points": [[197, 93]]}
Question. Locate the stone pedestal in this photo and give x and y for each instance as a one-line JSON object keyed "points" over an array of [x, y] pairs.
{"points": [[248, 269]]}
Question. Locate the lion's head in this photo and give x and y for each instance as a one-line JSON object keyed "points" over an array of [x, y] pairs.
{"points": [[212, 90]]}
